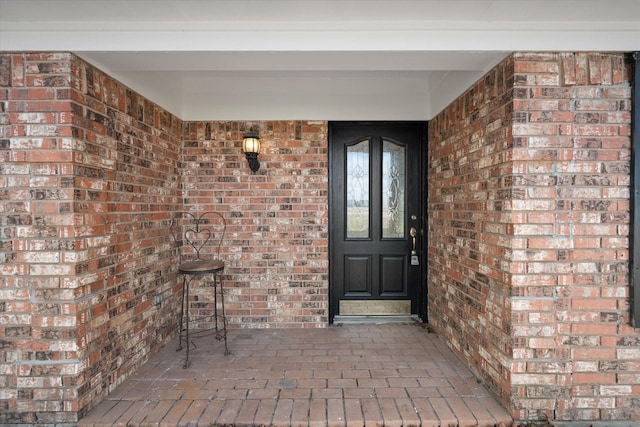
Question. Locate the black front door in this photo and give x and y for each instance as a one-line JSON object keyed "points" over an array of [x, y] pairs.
{"points": [[376, 214]]}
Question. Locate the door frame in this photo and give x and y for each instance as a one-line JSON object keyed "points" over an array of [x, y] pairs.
{"points": [[422, 245]]}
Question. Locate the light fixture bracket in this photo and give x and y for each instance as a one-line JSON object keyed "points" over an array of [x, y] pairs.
{"points": [[252, 159]]}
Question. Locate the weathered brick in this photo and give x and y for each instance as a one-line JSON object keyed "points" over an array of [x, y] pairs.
{"points": [[44, 125], [102, 140], [260, 248], [564, 121]]}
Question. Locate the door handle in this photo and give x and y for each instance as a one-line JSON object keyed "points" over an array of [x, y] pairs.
{"points": [[413, 233]]}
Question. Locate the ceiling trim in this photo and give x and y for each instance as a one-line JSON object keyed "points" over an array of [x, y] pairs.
{"points": [[620, 39]]}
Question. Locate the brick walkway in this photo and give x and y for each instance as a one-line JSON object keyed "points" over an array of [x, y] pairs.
{"points": [[351, 375]]}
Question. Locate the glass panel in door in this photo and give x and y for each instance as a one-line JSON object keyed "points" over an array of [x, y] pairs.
{"points": [[393, 188], [357, 191]]}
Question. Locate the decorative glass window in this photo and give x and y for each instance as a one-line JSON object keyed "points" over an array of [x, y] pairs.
{"points": [[393, 190], [357, 190]]}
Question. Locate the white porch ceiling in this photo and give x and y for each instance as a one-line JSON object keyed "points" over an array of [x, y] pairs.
{"points": [[310, 59]]}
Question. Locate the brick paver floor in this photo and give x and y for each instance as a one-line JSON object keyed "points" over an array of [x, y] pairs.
{"points": [[351, 375]]}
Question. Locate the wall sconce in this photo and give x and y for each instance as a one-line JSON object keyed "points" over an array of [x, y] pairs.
{"points": [[251, 149]]}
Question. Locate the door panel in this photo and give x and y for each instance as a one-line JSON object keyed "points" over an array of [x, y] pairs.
{"points": [[376, 183], [393, 276], [357, 276]]}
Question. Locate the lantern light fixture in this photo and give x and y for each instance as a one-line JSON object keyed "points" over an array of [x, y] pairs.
{"points": [[251, 149]]}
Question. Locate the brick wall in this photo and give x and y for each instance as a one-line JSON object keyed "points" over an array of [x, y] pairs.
{"points": [[89, 174], [529, 226], [276, 248], [469, 225]]}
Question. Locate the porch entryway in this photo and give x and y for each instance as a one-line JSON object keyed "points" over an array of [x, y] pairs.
{"points": [[363, 374], [377, 252]]}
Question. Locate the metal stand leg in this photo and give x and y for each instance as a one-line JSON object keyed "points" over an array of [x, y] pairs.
{"points": [[219, 289], [184, 318], [215, 301], [182, 304], [187, 318]]}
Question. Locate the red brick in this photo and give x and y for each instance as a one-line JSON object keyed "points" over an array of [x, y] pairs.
{"points": [[443, 412], [300, 414], [193, 412], [208, 412], [318, 416], [370, 410], [593, 378], [335, 411], [494, 181], [229, 411], [557, 102], [353, 412], [175, 413], [48, 156]]}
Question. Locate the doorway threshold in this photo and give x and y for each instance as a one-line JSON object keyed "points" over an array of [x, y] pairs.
{"points": [[375, 319]]}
